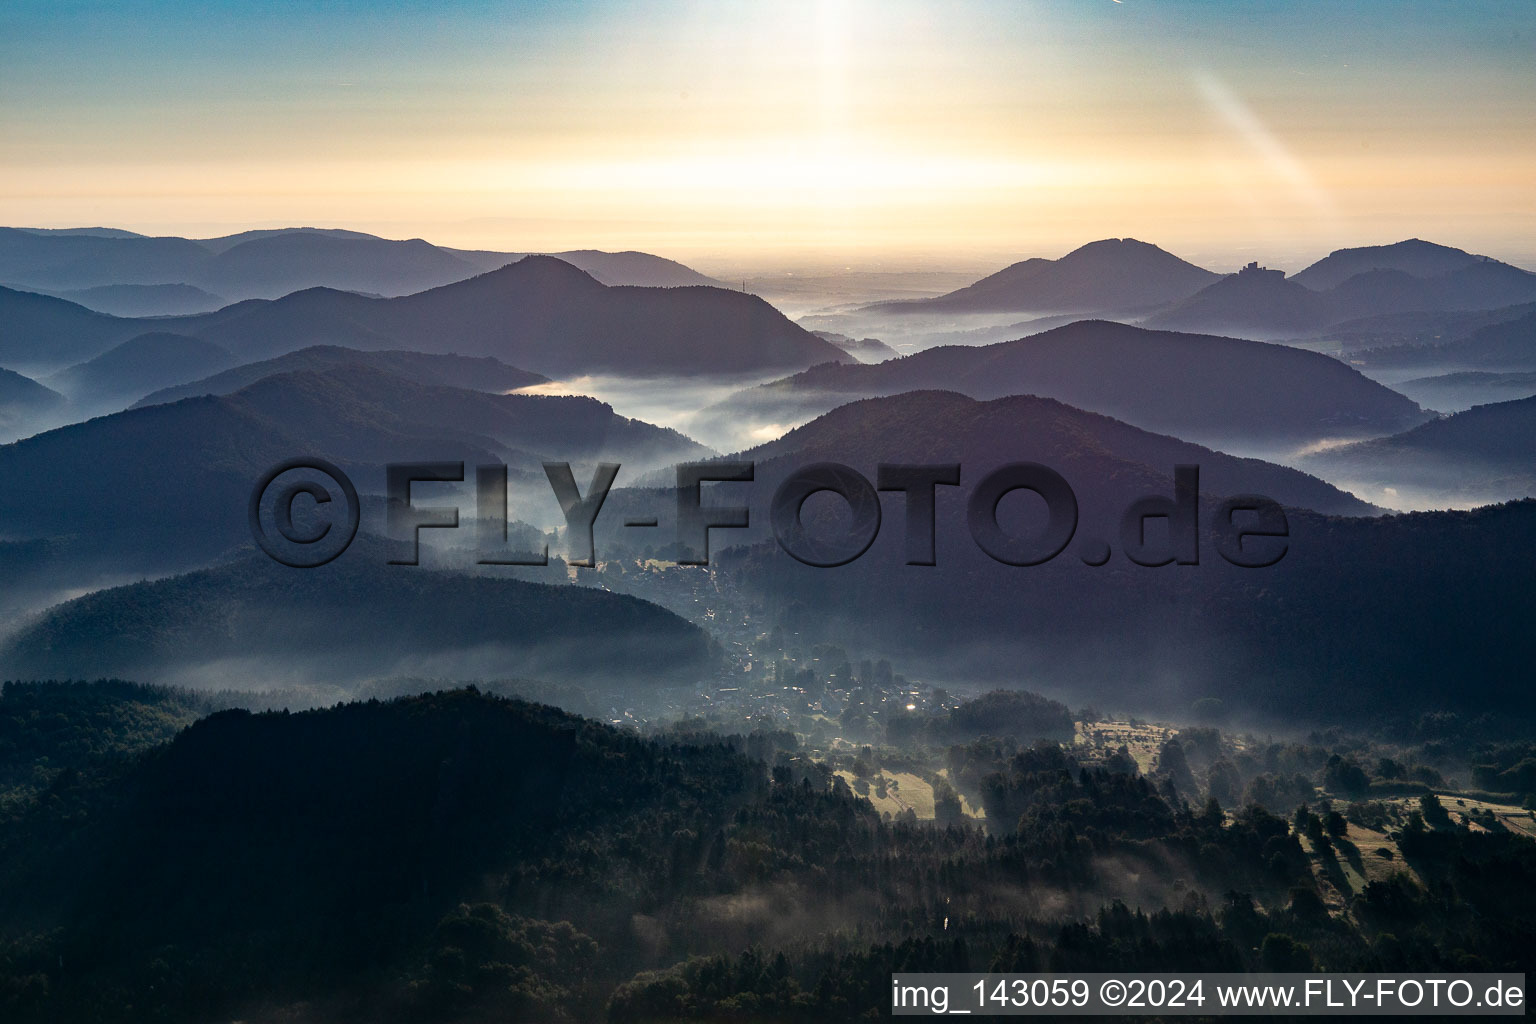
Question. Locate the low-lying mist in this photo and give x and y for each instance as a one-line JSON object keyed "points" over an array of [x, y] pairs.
{"points": [[666, 402]]}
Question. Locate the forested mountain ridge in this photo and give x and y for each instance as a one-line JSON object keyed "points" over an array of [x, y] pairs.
{"points": [[471, 857]]}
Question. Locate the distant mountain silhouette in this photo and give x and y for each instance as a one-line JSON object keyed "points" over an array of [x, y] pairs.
{"points": [[275, 265], [540, 313], [63, 261], [42, 331], [224, 243], [1254, 298], [1487, 284], [1114, 274], [1419, 329], [1411, 277], [476, 374], [610, 268], [352, 619], [1485, 454], [262, 328], [270, 264], [22, 398], [137, 366], [357, 413], [1505, 345], [1374, 290], [1454, 392], [1207, 389], [1414, 257], [89, 232], [142, 299], [865, 350]]}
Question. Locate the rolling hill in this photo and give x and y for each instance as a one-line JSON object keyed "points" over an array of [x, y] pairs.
{"points": [[349, 620], [22, 399], [68, 260], [357, 834], [539, 313], [139, 365], [97, 232], [165, 274], [1255, 299], [476, 374], [1102, 455], [1217, 391], [865, 350], [1508, 345], [133, 300], [1485, 454], [164, 487], [1410, 277], [1413, 256], [611, 268], [273, 265], [1110, 275], [40, 331], [1455, 392], [1108, 464], [1418, 329], [357, 413]]}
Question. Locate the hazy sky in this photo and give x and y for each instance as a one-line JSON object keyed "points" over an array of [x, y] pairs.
{"points": [[755, 132]]}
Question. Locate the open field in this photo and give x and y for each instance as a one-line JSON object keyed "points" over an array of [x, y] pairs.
{"points": [[904, 791], [1141, 739]]}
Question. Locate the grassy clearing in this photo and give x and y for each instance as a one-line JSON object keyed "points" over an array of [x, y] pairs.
{"points": [[1141, 740], [1514, 817], [904, 791], [1357, 861], [890, 803]]}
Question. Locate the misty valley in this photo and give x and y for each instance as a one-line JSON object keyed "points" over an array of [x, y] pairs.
{"points": [[1236, 522], [400, 633]]}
